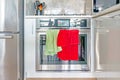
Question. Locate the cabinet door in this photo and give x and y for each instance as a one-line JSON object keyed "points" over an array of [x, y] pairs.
{"points": [[107, 45]]}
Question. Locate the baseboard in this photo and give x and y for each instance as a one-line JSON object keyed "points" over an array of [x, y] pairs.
{"points": [[61, 79]]}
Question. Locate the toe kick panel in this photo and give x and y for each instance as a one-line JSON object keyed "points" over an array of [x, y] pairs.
{"points": [[61, 79]]}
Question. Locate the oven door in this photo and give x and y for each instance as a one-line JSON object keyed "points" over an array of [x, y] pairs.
{"points": [[52, 63]]}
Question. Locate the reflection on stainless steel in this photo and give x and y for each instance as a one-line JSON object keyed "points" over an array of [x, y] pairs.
{"points": [[97, 46], [9, 39], [97, 52], [52, 63]]}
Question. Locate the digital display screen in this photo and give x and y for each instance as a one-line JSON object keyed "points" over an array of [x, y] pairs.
{"points": [[62, 22]]}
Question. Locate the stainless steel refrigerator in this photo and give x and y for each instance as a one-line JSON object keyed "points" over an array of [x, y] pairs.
{"points": [[11, 39]]}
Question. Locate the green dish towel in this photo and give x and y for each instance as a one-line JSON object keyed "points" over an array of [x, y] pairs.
{"points": [[51, 42]]}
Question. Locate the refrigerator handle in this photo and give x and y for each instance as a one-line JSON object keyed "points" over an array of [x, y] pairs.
{"points": [[6, 36]]}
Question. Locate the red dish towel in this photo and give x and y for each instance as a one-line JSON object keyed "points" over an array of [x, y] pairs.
{"points": [[68, 40]]}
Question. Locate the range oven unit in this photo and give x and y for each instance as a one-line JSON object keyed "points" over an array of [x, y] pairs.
{"points": [[52, 63]]}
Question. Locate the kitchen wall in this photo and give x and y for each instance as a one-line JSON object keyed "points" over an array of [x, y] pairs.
{"points": [[61, 7]]}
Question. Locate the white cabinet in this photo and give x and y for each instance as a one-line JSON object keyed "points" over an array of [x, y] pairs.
{"points": [[107, 44], [104, 40], [107, 40], [56, 10]]}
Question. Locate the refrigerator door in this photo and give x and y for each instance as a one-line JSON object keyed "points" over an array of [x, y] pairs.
{"points": [[9, 40], [10, 15], [9, 56]]}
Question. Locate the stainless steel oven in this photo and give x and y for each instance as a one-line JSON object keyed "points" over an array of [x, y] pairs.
{"points": [[52, 63]]}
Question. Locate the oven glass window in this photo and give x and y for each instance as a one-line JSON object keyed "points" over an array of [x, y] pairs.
{"points": [[54, 60]]}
